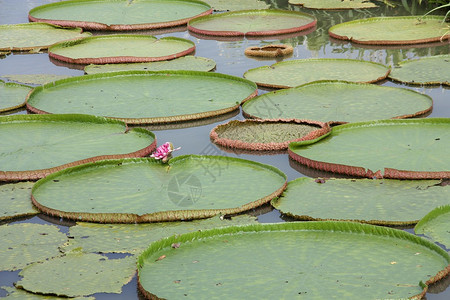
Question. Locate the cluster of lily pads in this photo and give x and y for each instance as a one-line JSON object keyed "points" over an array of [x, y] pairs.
{"points": [[92, 167]]}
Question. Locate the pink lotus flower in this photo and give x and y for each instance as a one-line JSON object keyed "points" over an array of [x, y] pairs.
{"points": [[164, 152]]}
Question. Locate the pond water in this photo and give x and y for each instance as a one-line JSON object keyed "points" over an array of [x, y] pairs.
{"points": [[230, 59]]}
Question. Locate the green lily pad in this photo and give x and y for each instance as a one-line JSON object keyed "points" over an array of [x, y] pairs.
{"points": [[78, 274], [33, 36], [15, 201], [36, 145], [427, 70], [132, 238], [319, 260], [339, 102], [334, 4], [392, 30], [120, 48], [34, 79], [233, 5], [252, 23], [140, 97], [12, 96], [435, 225], [145, 190], [267, 135], [25, 243], [293, 73], [189, 62], [14, 293], [402, 149], [119, 14], [380, 202]]}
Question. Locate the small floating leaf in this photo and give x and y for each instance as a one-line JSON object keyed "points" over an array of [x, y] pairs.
{"points": [[145, 190], [29, 36], [132, 238], [392, 30], [318, 259], [142, 97], [265, 135], [293, 73], [381, 202], [189, 62], [334, 4], [402, 149], [78, 274], [252, 23], [435, 225], [12, 96], [36, 145], [426, 70], [24, 243], [339, 101], [119, 14], [15, 200]]}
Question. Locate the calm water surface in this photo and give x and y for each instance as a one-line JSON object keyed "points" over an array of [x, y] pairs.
{"points": [[230, 59]]}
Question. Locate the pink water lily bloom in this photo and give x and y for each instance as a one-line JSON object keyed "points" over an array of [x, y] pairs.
{"points": [[164, 151]]}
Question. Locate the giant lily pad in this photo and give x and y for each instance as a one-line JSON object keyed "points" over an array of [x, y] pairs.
{"points": [[392, 30], [140, 97], [36, 145], [340, 102], [78, 274], [293, 73], [15, 200], [32, 36], [189, 62], [145, 190], [252, 23], [267, 135], [427, 70], [132, 238], [120, 48], [435, 225], [120, 14], [334, 4], [12, 96], [25, 243], [319, 260], [382, 202], [414, 149]]}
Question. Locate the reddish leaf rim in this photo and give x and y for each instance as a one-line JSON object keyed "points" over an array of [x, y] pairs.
{"points": [[313, 60], [12, 176], [230, 33], [331, 8], [97, 26], [40, 47], [352, 171], [116, 59], [155, 120], [322, 129], [446, 36], [161, 216]]}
